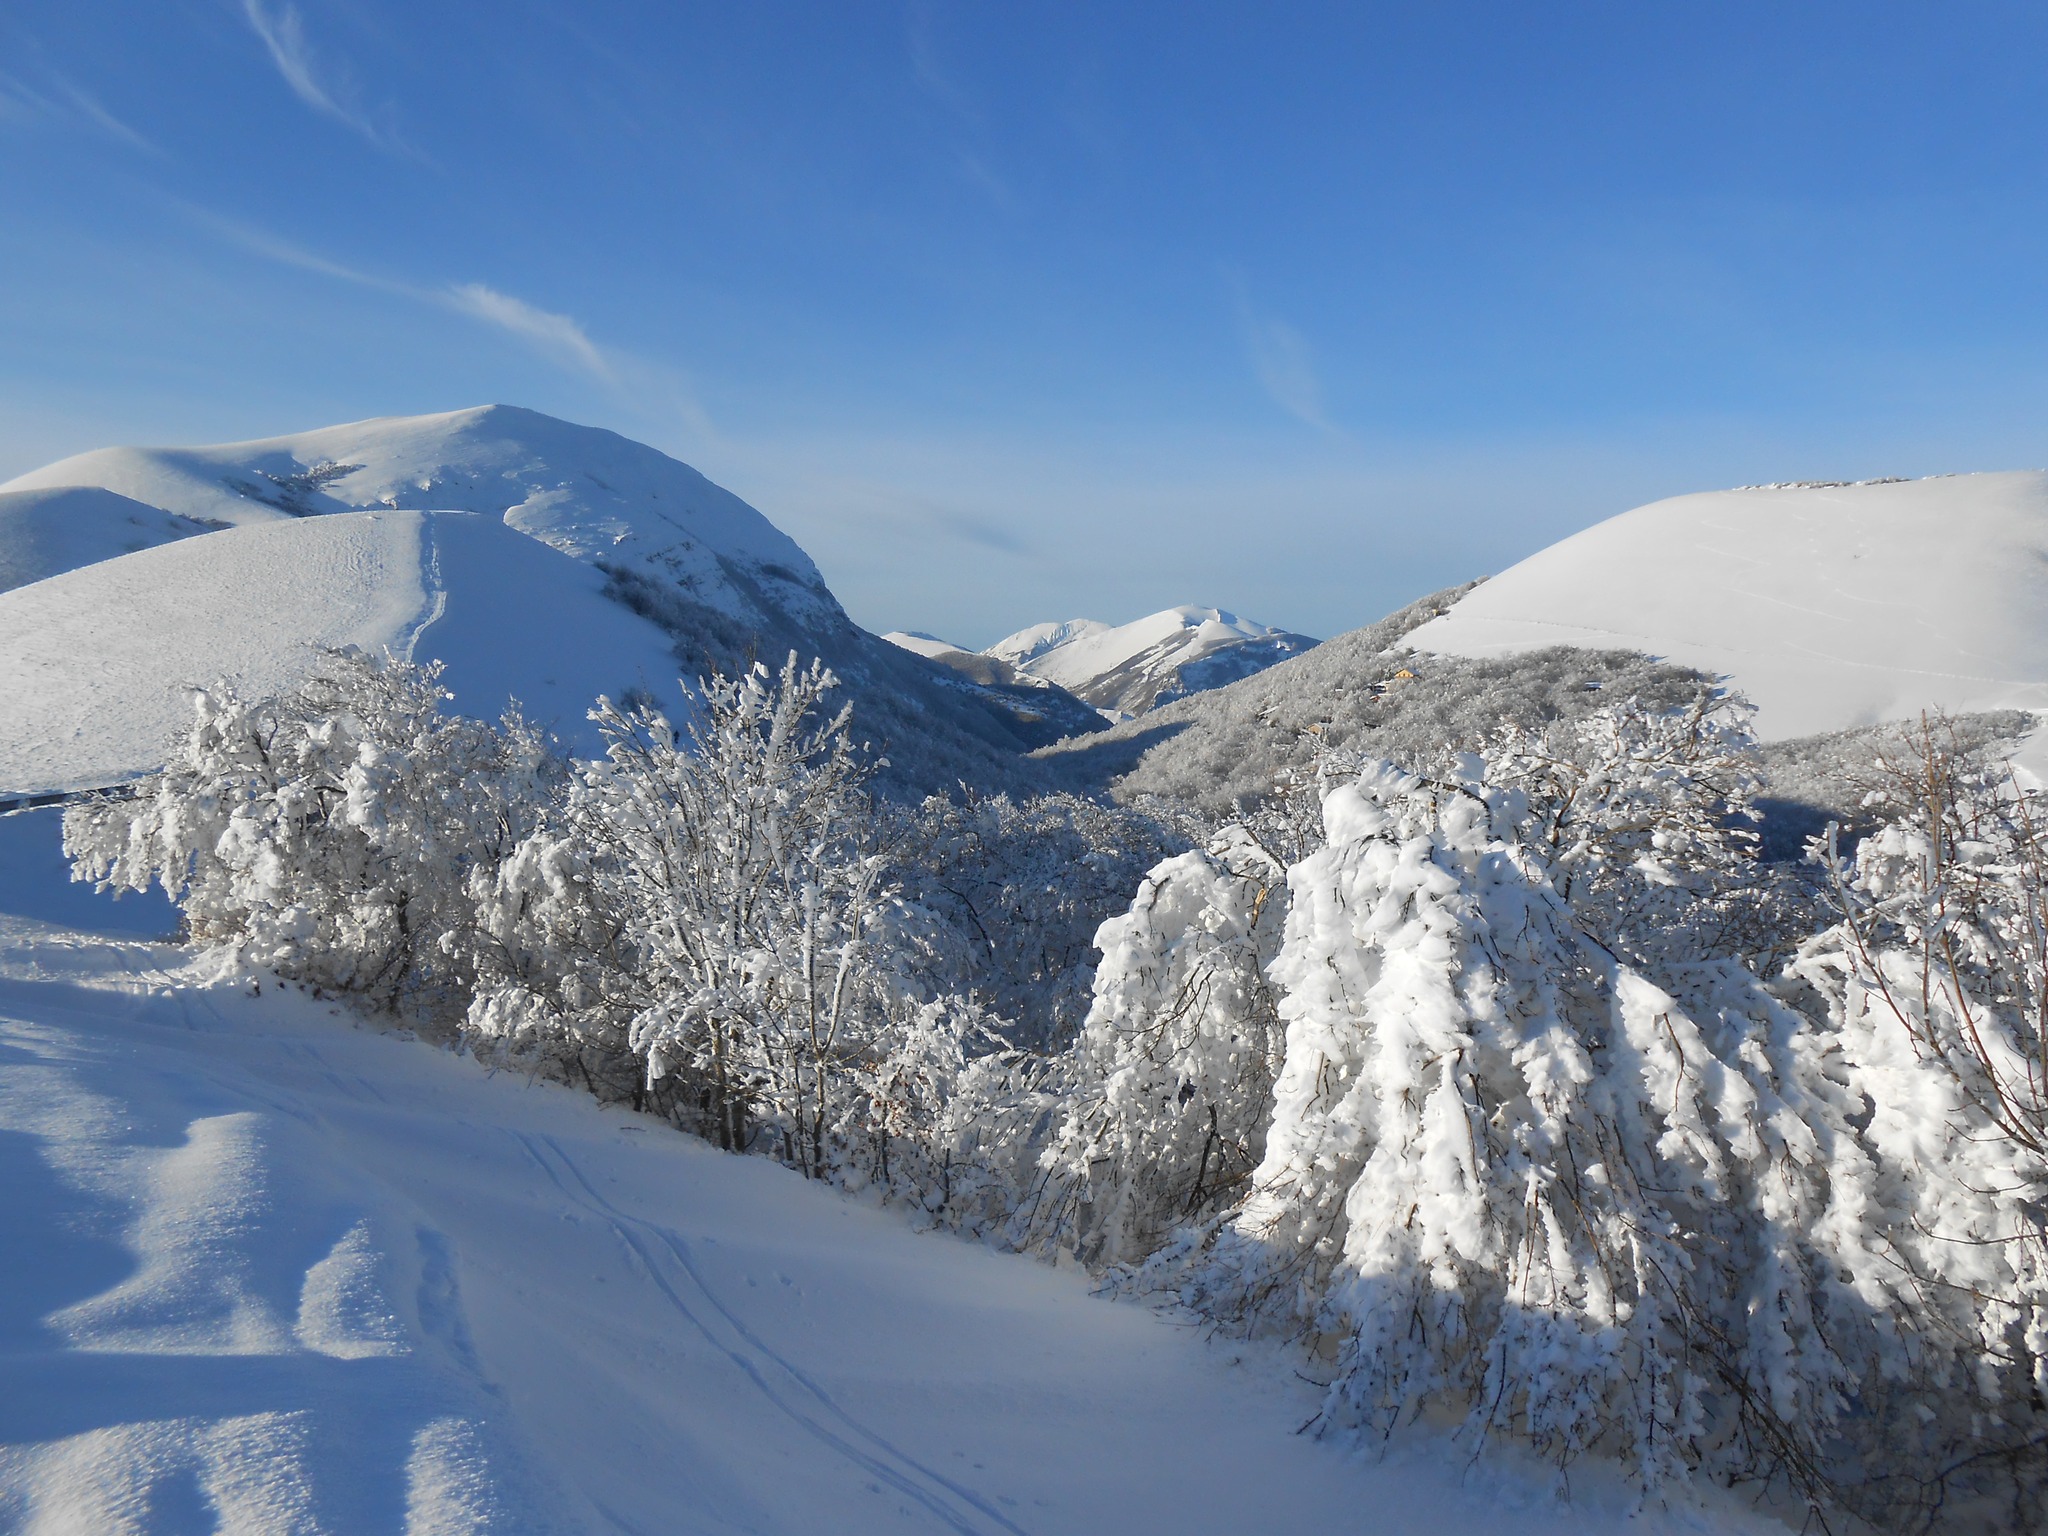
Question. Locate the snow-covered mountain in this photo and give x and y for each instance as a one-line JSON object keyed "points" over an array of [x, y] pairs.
{"points": [[1362, 690], [1830, 606], [978, 665], [1034, 641], [47, 531], [1126, 669], [590, 493], [721, 584], [96, 664]]}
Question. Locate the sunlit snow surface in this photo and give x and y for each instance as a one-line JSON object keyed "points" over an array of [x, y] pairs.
{"points": [[46, 532], [97, 665], [590, 493], [263, 1270], [1129, 667], [1829, 606]]}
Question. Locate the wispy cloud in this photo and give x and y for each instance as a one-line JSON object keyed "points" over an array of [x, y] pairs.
{"points": [[260, 242], [556, 335], [1285, 366], [559, 338], [938, 82], [63, 100], [282, 30], [971, 529]]}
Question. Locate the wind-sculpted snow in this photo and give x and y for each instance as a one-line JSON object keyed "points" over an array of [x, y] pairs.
{"points": [[1830, 607], [291, 1274], [590, 493], [97, 665], [45, 532]]}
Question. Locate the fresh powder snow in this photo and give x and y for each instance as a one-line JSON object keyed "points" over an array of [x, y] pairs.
{"points": [[1830, 606], [97, 664], [270, 1269]]}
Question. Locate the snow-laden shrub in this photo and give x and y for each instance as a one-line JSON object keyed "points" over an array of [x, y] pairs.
{"points": [[1171, 1079], [1509, 1178], [1935, 986], [328, 833], [1646, 820], [715, 908], [1639, 815], [1014, 890]]}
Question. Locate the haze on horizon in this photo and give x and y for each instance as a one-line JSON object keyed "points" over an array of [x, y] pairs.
{"points": [[1009, 316]]}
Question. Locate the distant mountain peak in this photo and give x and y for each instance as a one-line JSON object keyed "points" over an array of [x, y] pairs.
{"points": [[1126, 669], [721, 583]]}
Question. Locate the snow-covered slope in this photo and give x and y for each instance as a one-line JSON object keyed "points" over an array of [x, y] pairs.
{"points": [[265, 1271], [590, 493], [723, 584], [1831, 606], [45, 532], [1361, 691], [1128, 668], [1029, 644], [978, 665], [96, 665]]}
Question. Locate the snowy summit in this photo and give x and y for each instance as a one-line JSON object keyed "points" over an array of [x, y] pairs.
{"points": [[1829, 606], [1126, 669], [543, 562], [592, 494]]}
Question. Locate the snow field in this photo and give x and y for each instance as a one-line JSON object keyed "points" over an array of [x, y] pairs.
{"points": [[274, 1271], [1829, 606], [590, 493], [97, 664], [46, 532]]}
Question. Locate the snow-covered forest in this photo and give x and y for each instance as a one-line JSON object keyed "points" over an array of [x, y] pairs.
{"points": [[1507, 1086]]}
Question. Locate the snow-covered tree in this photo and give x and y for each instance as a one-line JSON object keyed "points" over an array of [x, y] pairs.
{"points": [[1646, 819], [1509, 1176], [328, 833], [715, 904], [1935, 983], [1014, 890], [1171, 1080]]}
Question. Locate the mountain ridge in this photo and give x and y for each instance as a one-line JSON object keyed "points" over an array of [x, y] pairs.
{"points": [[724, 584]]}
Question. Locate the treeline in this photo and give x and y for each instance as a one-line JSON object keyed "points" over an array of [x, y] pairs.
{"points": [[1518, 1089]]}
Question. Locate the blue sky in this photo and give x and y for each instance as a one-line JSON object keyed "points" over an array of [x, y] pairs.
{"points": [[1015, 312]]}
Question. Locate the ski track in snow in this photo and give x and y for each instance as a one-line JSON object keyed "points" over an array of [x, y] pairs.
{"points": [[761, 1363], [265, 1269], [436, 590]]}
